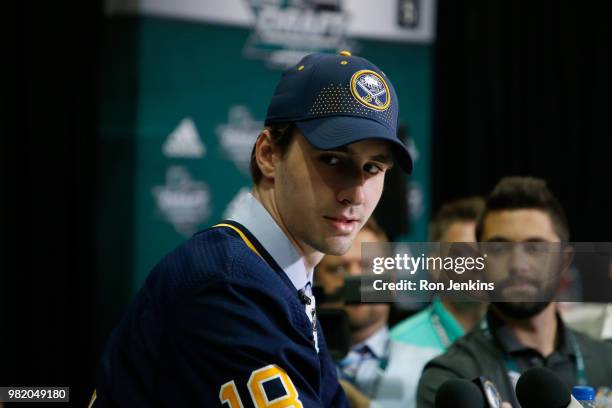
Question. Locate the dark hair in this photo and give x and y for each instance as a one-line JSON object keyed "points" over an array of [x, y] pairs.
{"points": [[282, 134], [461, 210], [515, 193]]}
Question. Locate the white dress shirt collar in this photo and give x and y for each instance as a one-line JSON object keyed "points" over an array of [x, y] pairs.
{"points": [[253, 215], [377, 342]]}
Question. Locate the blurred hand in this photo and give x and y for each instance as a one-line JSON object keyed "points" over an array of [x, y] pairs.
{"points": [[506, 405], [356, 398]]}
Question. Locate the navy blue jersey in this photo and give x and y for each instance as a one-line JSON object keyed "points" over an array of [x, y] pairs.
{"points": [[217, 324]]}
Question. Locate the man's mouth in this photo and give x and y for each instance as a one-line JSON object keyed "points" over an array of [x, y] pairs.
{"points": [[344, 225], [518, 286]]}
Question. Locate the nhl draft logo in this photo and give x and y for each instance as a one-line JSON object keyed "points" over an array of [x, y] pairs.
{"points": [[238, 135], [370, 89], [284, 31], [182, 201]]}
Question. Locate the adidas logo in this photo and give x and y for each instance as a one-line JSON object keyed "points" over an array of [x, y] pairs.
{"points": [[184, 142]]}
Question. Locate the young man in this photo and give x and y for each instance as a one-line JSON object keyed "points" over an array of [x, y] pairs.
{"points": [[228, 317], [377, 372], [519, 335], [439, 325]]}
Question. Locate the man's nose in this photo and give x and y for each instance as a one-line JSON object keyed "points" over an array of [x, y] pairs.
{"points": [[353, 194], [519, 261]]}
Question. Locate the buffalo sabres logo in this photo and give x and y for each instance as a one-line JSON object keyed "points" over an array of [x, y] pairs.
{"points": [[370, 89]]}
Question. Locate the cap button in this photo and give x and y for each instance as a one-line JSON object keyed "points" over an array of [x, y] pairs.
{"points": [[345, 53]]}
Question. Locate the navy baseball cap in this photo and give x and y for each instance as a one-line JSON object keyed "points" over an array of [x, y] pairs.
{"points": [[336, 100]]}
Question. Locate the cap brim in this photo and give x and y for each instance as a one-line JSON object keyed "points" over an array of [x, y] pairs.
{"points": [[335, 131]]}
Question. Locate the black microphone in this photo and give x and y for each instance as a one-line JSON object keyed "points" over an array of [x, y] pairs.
{"points": [[540, 387], [459, 393]]}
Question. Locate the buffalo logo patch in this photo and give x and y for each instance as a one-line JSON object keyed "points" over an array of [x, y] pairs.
{"points": [[370, 89]]}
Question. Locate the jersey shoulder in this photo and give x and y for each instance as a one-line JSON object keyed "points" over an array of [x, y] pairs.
{"points": [[211, 257]]}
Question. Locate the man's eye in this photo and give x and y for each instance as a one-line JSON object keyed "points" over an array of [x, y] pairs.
{"points": [[330, 160], [338, 269], [372, 169], [497, 248]]}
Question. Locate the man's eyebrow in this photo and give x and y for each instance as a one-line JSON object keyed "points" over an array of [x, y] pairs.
{"points": [[497, 238], [502, 239], [382, 158], [341, 149]]}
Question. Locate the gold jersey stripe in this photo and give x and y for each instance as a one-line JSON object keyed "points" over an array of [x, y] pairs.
{"points": [[244, 237], [93, 399]]}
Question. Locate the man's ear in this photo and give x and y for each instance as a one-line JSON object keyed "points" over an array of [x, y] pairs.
{"points": [[266, 154], [567, 257]]}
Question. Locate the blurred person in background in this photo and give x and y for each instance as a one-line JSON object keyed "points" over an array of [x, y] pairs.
{"points": [[377, 372], [517, 335], [435, 328]]}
